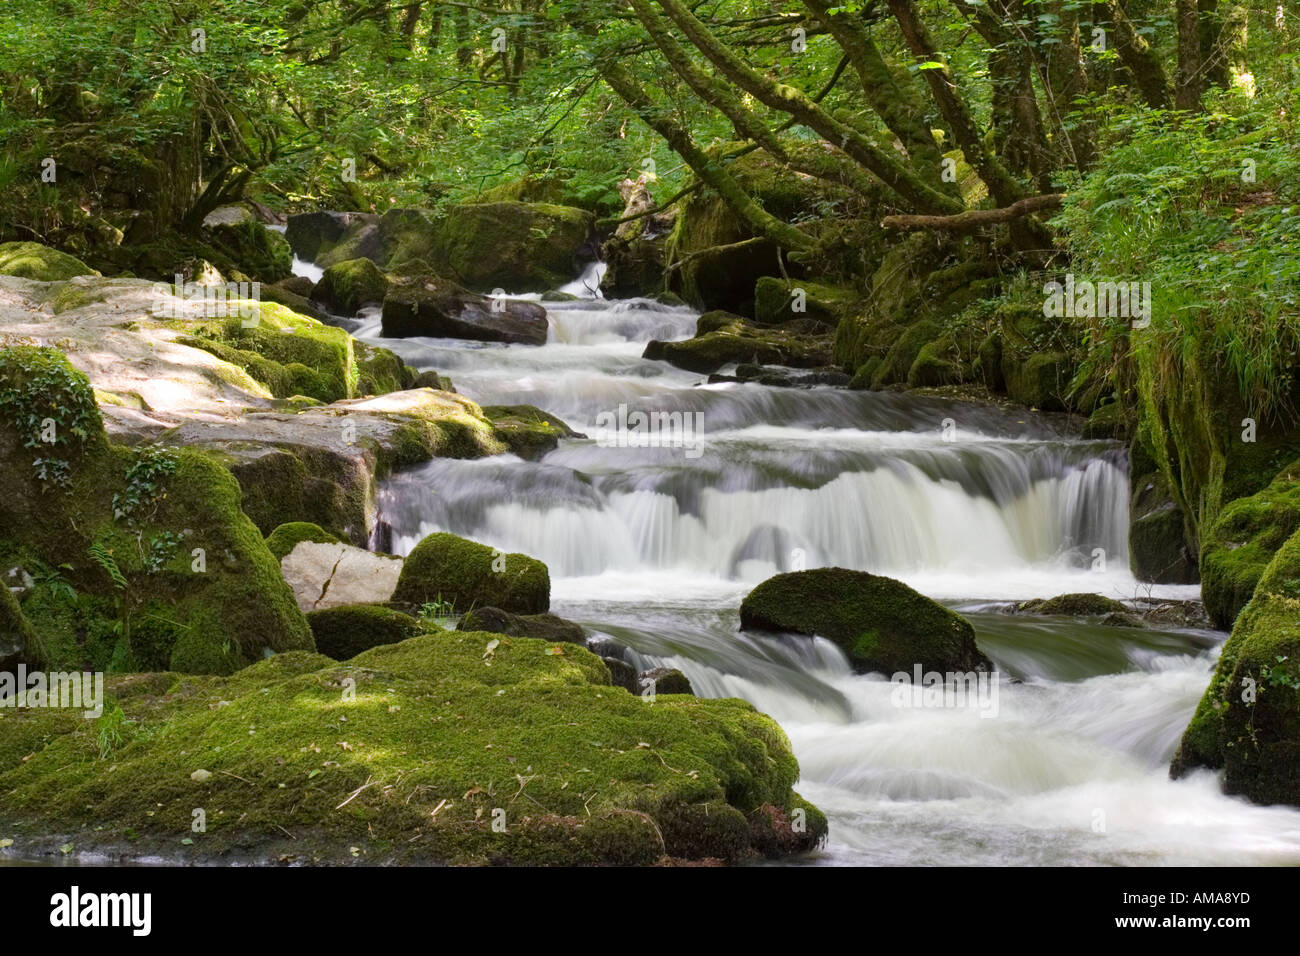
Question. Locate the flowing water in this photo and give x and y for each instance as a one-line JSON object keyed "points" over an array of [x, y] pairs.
{"points": [[654, 545]]}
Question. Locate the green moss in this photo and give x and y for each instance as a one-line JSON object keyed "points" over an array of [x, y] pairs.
{"points": [[381, 371], [722, 340], [1240, 544], [881, 624], [443, 734], [1248, 722], [471, 575], [346, 286], [775, 301], [19, 641], [1080, 604], [31, 260], [345, 631], [528, 431], [902, 355], [136, 529], [543, 627], [290, 354], [511, 245], [288, 536], [261, 252], [938, 363]]}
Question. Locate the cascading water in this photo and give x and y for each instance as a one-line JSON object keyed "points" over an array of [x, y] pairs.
{"points": [[655, 546]]}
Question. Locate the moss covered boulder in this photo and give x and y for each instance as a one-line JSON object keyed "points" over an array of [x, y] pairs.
{"points": [[1248, 723], [723, 338], [468, 575], [398, 756], [345, 287], [313, 234], [528, 431], [1243, 540], [345, 631], [1081, 604], [777, 301], [258, 251], [31, 260], [287, 536], [543, 627], [515, 246], [1157, 543], [290, 354], [880, 624], [163, 569]]}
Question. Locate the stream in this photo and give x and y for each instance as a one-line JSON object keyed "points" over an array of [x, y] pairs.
{"points": [[654, 548]]}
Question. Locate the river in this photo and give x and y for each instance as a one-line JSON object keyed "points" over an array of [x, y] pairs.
{"points": [[654, 547]]}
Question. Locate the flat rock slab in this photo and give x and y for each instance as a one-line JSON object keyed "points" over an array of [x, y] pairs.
{"points": [[328, 575]]}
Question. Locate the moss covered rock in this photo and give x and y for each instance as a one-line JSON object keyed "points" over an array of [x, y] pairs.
{"points": [[528, 431], [290, 354], [345, 631], [433, 725], [723, 338], [1248, 722], [880, 624], [1077, 605], [287, 536], [468, 575], [666, 680], [777, 301], [183, 578], [258, 251], [345, 287], [1238, 547], [543, 627], [31, 260], [313, 234], [19, 642]]}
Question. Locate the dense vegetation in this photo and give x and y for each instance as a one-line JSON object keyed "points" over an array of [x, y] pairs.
{"points": [[914, 173]]}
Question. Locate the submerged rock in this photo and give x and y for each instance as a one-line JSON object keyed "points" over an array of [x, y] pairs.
{"points": [[1248, 723], [441, 309], [880, 624], [452, 570]]}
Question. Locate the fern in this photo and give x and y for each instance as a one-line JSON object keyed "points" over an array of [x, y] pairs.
{"points": [[105, 560]]}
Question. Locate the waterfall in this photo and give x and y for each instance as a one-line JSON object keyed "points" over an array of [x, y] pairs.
{"points": [[652, 544]]}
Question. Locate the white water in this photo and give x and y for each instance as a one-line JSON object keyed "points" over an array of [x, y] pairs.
{"points": [[656, 550]]}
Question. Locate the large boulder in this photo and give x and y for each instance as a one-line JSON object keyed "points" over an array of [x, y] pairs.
{"points": [[163, 570], [1157, 544], [433, 721], [777, 301], [345, 287], [313, 234], [723, 338], [452, 570], [441, 309], [324, 575], [31, 260], [1248, 723], [514, 246], [543, 627], [880, 624], [1241, 542], [260, 252]]}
